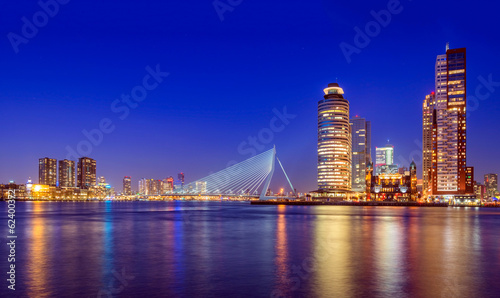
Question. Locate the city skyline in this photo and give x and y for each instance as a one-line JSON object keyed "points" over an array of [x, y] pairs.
{"points": [[50, 174], [76, 94], [230, 148]]}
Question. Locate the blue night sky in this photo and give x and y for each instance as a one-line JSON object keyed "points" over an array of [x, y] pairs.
{"points": [[226, 77]]}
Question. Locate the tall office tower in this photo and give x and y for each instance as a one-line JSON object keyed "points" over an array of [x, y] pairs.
{"points": [[446, 113], [361, 152], [102, 179], [334, 142], [491, 184], [127, 185], [384, 158], [66, 173], [86, 172], [428, 127], [47, 171], [181, 178]]}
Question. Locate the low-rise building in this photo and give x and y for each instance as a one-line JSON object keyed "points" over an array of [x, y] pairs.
{"points": [[392, 186]]}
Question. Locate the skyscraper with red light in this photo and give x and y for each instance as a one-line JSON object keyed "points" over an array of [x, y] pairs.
{"points": [[181, 178]]}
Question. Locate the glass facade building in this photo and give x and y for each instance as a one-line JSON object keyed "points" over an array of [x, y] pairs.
{"points": [[444, 128], [334, 142], [428, 128], [361, 152]]}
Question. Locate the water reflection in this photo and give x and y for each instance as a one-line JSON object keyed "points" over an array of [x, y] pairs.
{"points": [[283, 273], [38, 267], [333, 247], [228, 249]]}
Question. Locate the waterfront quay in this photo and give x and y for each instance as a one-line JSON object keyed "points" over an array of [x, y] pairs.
{"points": [[267, 202], [349, 203]]}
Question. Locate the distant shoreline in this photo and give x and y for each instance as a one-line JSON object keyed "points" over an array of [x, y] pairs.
{"points": [[370, 204], [289, 203]]}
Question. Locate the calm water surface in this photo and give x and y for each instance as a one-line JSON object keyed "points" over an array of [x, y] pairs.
{"points": [[191, 249]]}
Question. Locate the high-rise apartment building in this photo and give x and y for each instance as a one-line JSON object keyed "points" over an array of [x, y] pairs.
{"points": [[86, 172], [47, 171], [150, 187], [143, 186], [180, 176], [429, 127], [361, 152], [445, 121], [127, 186], [334, 142], [491, 185], [168, 184], [66, 173]]}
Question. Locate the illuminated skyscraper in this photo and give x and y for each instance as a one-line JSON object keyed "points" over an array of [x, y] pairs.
{"points": [[334, 142], [66, 173], [181, 178], [428, 128], [150, 187], [361, 152], [448, 172], [47, 171], [491, 184], [127, 186], [144, 186], [86, 172], [168, 184]]}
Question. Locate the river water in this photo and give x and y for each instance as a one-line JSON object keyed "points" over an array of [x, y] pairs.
{"points": [[234, 249]]}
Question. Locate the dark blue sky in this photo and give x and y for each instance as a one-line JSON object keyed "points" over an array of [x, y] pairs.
{"points": [[226, 77]]}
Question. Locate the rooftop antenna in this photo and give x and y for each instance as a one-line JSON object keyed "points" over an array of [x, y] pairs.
{"points": [[447, 46]]}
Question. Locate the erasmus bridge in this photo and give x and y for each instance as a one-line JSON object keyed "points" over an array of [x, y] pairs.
{"points": [[250, 178]]}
